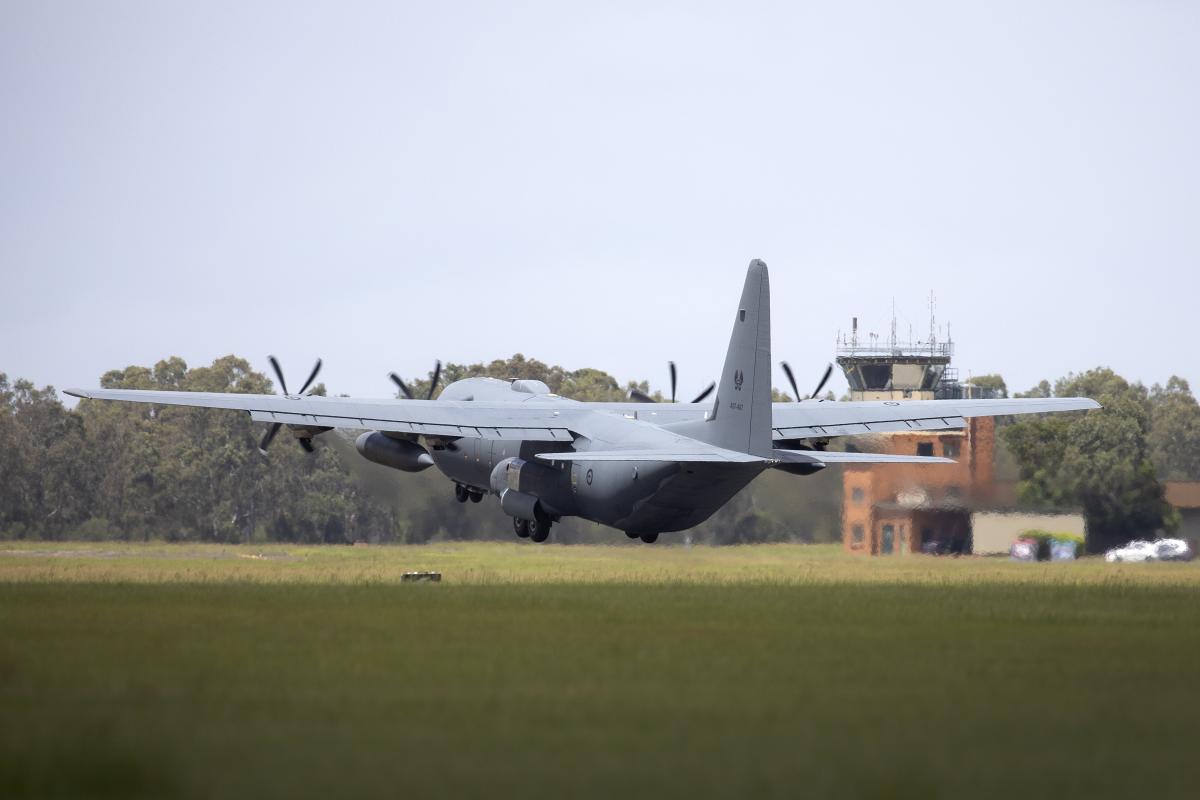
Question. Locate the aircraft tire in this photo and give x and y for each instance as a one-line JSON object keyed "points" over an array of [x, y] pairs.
{"points": [[521, 526], [632, 535], [649, 538], [476, 497], [460, 493], [539, 530]]}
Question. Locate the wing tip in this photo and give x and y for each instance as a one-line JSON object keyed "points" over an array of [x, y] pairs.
{"points": [[1079, 403], [78, 393]]}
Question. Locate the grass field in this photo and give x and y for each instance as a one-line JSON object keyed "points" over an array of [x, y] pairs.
{"points": [[205, 671]]}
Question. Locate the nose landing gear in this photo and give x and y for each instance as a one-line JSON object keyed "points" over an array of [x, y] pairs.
{"points": [[463, 493]]}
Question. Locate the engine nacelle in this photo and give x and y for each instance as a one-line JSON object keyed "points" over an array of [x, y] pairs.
{"points": [[522, 486], [799, 469], [521, 505], [395, 453]]}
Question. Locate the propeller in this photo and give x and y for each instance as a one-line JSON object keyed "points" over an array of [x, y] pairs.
{"points": [[641, 397], [404, 390], [269, 436], [787, 370]]}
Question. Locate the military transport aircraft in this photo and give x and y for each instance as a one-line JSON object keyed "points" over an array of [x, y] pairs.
{"points": [[644, 468]]}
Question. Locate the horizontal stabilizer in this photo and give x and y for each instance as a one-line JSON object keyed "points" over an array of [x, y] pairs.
{"points": [[707, 454], [824, 457]]}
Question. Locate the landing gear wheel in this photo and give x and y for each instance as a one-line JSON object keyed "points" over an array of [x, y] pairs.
{"points": [[539, 529], [649, 538], [521, 526], [460, 493], [632, 535], [476, 496]]}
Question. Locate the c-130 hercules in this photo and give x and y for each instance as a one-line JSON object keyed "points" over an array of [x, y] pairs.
{"points": [[642, 468]]}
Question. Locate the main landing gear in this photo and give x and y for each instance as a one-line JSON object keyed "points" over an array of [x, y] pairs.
{"points": [[537, 530], [462, 494], [648, 538]]}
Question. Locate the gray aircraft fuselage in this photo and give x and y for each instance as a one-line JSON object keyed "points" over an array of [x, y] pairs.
{"points": [[646, 497]]}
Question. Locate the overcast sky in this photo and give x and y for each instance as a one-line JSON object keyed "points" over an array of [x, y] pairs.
{"points": [[383, 184]]}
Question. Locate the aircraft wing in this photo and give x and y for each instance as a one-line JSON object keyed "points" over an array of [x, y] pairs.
{"points": [[820, 420], [453, 418]]}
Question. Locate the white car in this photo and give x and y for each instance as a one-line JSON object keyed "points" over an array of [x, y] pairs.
{"points": [[1158, 550]]}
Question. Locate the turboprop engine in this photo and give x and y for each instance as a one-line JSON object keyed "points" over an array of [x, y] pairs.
{"points": [[399, 454]]}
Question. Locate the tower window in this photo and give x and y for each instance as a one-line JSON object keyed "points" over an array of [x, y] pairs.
{"points": [[951, 449], [924, 448], [856, 495]]}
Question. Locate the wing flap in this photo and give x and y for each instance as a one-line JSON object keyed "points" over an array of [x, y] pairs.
{"points": [[713, 455], [857, 428], [421, 428]]}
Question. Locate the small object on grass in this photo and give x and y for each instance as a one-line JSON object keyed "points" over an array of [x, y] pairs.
{"points": [[435, 577]]}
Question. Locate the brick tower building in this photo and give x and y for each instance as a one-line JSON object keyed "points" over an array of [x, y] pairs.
{"points": [[892, 509]]}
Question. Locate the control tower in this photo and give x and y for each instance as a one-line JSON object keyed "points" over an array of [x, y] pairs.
{"points": [[889, 369]]}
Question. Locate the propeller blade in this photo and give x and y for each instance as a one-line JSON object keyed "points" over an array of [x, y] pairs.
{"points": [[403, 386], [278, 373], [787, 370], [706, 392], [312, 375], [674, 377], [824, 380], [637, 395], [268, 436], [437, 373], [307, 444]]}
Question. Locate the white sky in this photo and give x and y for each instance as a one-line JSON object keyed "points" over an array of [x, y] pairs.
{"points": [[386, 184]]}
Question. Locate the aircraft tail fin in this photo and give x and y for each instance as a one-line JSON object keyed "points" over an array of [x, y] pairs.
{"points": [[741, 416]]}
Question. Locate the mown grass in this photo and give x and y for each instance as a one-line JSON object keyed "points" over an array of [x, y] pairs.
{"points": [[548, 671]]}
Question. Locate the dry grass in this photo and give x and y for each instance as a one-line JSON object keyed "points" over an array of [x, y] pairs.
{"points": [[491, 563]]}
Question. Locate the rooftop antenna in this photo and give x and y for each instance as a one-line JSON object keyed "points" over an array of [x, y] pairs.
{"points": [[932, 322], [893, 322]]}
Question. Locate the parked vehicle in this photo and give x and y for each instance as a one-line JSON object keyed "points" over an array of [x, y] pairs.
{"points": [[1023, 550], [1158, 550]]}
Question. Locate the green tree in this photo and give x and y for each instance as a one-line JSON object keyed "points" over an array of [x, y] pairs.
{"points": [[1175, 430], [1099, 461], [992, 385], [1043, 389], [44, 474]]}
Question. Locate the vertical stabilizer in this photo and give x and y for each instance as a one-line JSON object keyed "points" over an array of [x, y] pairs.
{"points": [[742, 411]]}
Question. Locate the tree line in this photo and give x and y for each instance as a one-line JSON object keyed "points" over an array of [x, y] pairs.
{"points": [[133, 471]]}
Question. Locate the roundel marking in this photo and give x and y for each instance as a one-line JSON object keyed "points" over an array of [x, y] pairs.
{"points": [[890, 403], [588, 477]]}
